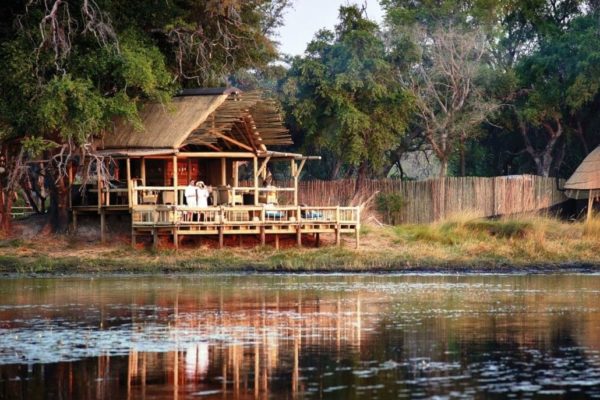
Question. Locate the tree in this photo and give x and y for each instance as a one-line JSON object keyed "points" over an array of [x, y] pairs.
{"points": [[450, 100], [72, 66], [558, 84], [344, 98]]}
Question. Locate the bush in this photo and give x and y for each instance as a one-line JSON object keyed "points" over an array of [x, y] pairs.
{"points": [[390, 205]]}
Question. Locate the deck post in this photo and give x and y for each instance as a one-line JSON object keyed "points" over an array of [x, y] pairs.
{"points": [[590, 207], [277, 241], [175, 238], [236, 174], [102, 226], [220, 237], [299, 236], [143, 171], [129, 186], [155, 238], [175, 177], [255, 174], [133, 237], [74, 213], [318, 239], [262, 236], [223, 172]]}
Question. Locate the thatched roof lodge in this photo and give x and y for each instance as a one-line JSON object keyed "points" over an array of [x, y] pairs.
{"points": [[585, 181], [220, 137]]}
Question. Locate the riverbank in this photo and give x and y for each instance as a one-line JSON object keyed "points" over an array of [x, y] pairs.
{"points": [[461, 244]]}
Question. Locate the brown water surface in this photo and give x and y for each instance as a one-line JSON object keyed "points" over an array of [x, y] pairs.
{"points": [[300, 337]]}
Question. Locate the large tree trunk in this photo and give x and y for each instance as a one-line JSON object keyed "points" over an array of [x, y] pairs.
{"points": [[361, 178], [543, 158], [6, 202], [443, 167], [59, 204]]}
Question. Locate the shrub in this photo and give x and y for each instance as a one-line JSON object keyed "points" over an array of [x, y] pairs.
{"points": [[389, 204]]}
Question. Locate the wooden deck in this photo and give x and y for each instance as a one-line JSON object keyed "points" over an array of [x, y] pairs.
{"points": [[261, 221]]}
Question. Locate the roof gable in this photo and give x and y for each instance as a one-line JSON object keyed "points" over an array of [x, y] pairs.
{"points": [[214, 118]]}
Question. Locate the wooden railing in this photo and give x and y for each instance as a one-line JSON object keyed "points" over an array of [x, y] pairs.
{"points": [[173, 215]]}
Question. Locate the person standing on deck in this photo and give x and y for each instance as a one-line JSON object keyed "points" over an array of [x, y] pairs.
{"points": [[203, 194], [191, 194]]}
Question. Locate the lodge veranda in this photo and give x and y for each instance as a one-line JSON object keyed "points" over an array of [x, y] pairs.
{"points": [[219, 137]]}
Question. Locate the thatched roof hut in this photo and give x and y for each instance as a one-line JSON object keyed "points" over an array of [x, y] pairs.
{"points": [[586, 177], [214, 119], [585, 181]]}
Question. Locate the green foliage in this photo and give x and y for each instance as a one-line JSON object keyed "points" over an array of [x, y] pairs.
{"points": [[389, 204], [343, 95]]}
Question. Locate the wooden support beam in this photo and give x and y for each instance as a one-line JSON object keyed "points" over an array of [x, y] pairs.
{"points": [[318, 239], [175, 183], [299, 168], [262, 236], [236, 174], [299, 236], [74, 221], [129, 183], [226, 154], [143, 171], [175, 238], [220, 237], [231, 140], [255, 176], [132, 237], [155, 238], [263, 167], [223, 172], [277, 241]]}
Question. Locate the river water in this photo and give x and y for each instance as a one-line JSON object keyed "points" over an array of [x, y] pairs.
{"points": [[300, 336]]}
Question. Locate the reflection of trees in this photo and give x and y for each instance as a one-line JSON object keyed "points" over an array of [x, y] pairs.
{"points": [[275, 340]]}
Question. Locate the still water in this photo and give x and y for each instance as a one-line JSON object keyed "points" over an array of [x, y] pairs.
{"points": [[300, 337]]}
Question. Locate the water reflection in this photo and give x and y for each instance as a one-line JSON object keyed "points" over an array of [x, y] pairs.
{"points": [[300, 337]]}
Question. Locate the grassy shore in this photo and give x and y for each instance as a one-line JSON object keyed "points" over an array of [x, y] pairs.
{"points": [[462, 243]]}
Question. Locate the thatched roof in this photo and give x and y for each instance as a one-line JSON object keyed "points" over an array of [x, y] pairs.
{"points": [[587, 175], [219, 119]]}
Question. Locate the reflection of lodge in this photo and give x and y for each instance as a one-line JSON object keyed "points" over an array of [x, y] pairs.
{"points": [[219, 137], [259, 346]]}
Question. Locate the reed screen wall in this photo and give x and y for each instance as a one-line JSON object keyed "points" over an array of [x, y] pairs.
{"points": [[434, 199]]}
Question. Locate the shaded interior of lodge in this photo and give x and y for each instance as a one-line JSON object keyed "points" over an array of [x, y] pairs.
{"points": [[215, 136]]}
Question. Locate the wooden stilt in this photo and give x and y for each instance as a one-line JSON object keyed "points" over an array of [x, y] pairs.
{"points": [[357, 233], [155, 238], [74, 221], [220, 237], [318, 239], [175, 238], [338, 235], [133, 238], [102, 226], [262, 236], [277, 241], [299, 237]]}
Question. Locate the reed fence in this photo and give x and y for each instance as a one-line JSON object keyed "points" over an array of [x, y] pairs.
{"points": [[432, 200]]}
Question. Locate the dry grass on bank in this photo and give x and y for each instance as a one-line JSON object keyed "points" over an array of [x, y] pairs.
{"points": [[462, 242]]}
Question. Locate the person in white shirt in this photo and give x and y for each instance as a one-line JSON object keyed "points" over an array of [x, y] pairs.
{"points": [[203, 192], [191, 194]]}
